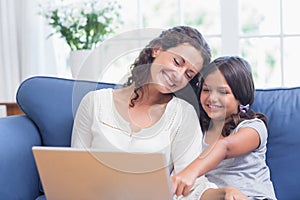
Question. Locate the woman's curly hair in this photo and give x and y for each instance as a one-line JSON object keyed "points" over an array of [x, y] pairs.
{"points": [[140, 69]]}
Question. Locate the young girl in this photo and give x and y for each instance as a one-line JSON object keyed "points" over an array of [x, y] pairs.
{"points": [[235, 136]]}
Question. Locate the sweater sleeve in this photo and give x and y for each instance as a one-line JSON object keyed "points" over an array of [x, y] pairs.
{"points": [[81, 133], [186, 147]]}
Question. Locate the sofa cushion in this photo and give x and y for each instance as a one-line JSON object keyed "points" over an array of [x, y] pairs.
{"points": [[18, 174], [282, 106], [51, 104], [42, 197]]}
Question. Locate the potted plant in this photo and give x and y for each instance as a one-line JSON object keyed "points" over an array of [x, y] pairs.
{"points": [[83, 24]]}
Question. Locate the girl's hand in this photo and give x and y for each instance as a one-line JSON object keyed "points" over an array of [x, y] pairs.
{"points": [[183, 182]]}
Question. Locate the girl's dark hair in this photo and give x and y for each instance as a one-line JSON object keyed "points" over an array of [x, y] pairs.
{"points": [[140, 69], [237, 73]]}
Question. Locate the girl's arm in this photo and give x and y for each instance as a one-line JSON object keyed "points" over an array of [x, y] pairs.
{"points": [[242, 142], [187, 146]]}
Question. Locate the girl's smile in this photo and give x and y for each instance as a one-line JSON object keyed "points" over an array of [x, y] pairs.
{"points": [[217, 98]]}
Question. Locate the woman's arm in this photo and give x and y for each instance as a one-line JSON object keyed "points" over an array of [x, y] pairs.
{"points": [[186, 144], [81, 133]]}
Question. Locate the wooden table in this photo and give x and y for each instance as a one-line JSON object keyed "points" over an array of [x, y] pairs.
{"points": [[12, 108]]}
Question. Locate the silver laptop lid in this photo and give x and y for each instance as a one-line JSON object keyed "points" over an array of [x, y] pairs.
{"points": [[78, 174]]}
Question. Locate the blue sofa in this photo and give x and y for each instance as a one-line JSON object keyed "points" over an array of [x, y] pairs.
{"points": [[49, 105]]}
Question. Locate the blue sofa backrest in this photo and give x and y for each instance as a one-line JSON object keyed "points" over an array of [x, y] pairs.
{"points": [[282, 107], [52, 102]]}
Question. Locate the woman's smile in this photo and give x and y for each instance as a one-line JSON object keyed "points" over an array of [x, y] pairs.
{"points": [[168, 79]]}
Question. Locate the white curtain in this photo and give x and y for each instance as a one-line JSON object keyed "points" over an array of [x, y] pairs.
{"points": [[24, 49], [9, 62]]}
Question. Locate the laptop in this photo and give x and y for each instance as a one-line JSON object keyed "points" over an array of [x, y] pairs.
{"points": [[80, 174]]}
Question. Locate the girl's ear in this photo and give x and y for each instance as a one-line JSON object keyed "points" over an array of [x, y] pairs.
{"points": [[155, 52]]}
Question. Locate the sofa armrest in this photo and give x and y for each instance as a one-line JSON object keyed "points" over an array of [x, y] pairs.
{"points": [[18, 172]]}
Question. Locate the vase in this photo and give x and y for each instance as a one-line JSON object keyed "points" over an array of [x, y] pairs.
{"points": [[77, 59]]}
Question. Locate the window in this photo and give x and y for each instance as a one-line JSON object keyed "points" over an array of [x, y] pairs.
{"points": [[263, 32], [164, 14], [269, 40]]}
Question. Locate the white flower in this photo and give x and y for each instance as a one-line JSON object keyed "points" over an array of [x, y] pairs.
{"points": [[101, 19], [76, 13], [67, 22], [82, 21], [108, 15], [87, 9], [62, 14], [71, 20], [99, 5]]}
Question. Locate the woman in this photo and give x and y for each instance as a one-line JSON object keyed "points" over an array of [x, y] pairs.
{"points": [[145, 115]]}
